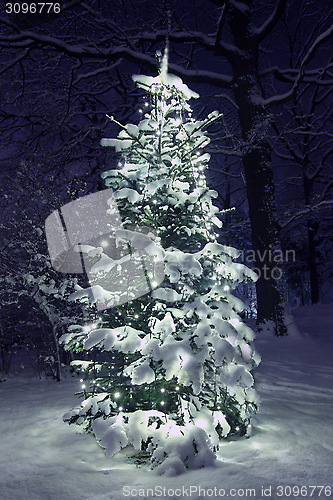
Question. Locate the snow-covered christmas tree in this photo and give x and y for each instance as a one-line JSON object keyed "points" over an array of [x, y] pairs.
{"points": [[170, 370]]}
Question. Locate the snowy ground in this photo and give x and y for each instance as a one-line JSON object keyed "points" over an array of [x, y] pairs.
{"points": [[41, 458]]}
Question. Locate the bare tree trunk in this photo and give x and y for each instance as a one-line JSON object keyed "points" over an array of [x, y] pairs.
{"points": [[312, 230], [313, 267], [258, 174], [55, 350], [265, 235]]}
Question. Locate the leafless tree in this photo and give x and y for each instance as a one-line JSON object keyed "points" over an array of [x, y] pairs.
{"points": [[28, 281]]}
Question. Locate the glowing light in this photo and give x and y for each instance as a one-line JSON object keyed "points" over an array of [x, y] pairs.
{"points": [[83, 386], [184, 358], [87, 328], [177, 388], [81, 379], [226, 288], [162, 403], [104, 243], [162, 390], [146, 104], [154, 201], [120, 408], [154, 283], [117, 395]]}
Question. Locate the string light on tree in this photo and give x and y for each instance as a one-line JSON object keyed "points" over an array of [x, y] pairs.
{"points": [[174, 357]]}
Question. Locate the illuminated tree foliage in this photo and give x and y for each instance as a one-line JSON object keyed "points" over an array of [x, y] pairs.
{"points": [[170, 371]]}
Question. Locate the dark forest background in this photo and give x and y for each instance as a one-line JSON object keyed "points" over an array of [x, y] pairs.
{"points": [[267, 65]]}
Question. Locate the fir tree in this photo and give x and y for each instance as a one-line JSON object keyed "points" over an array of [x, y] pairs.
{"points": [[171, 369]]}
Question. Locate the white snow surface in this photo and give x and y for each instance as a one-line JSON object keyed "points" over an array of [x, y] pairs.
{"points": [[42, 458]]}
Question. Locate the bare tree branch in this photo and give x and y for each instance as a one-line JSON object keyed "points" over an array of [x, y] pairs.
{"points": [[269, 24], [278, 99], [302, 213]]}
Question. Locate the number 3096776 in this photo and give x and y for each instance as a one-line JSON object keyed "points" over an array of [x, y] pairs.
{"points": [[32, 8]]}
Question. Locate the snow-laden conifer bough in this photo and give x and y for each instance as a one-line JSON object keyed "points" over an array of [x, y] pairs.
{"points": [[170, 371]]}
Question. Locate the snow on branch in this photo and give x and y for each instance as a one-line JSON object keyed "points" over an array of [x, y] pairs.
{"points": [[290, 74], [269, 24], [113, 54], [203, 40], [306, 211], [99, 71], [278, 99], [20, 39]]}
